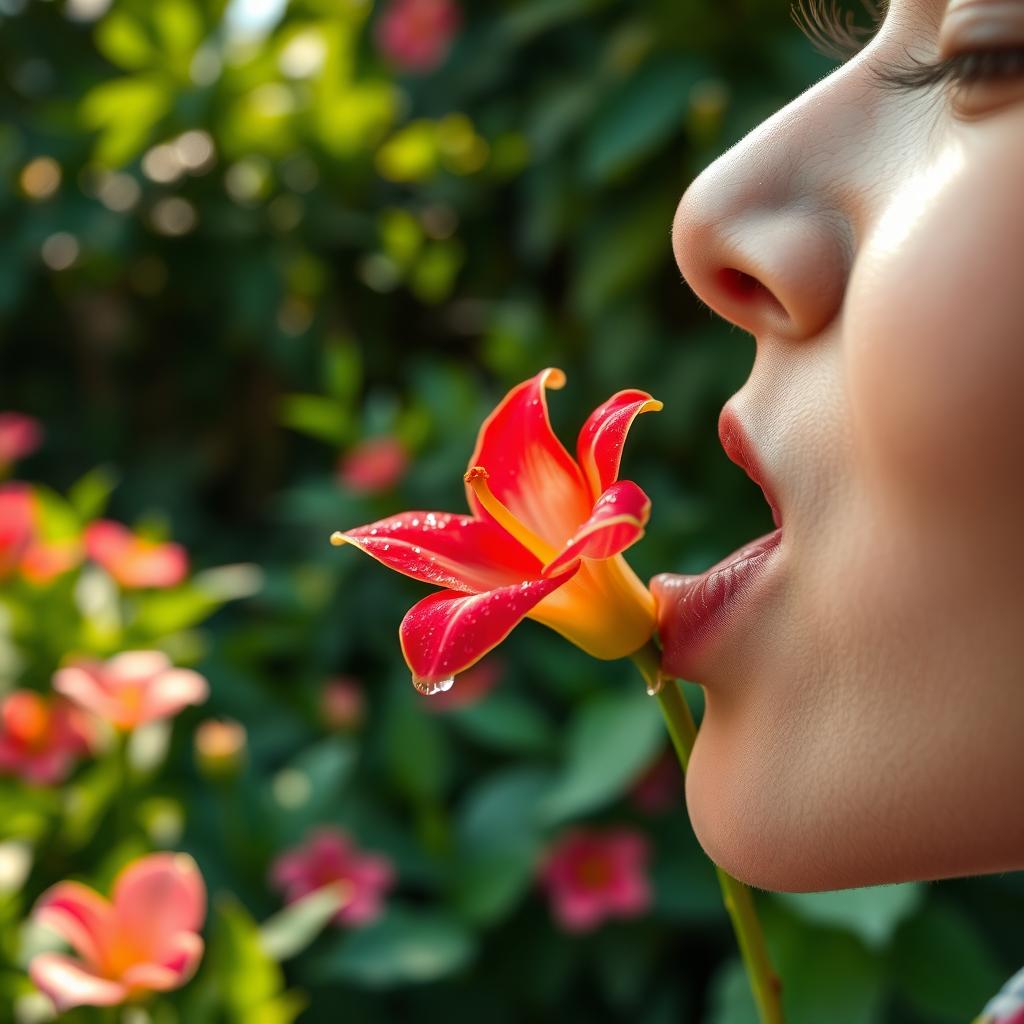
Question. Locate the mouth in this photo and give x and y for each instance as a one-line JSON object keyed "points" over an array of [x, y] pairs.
{"points": [[694, 611]]}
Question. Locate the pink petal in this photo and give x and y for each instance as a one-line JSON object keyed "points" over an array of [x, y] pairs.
{"points": [[577, 910], [68, 983], [599, 448], [529, 471], [156, 898], [152, 565], [82, 684], [456, 552], [177, 965], [618, 520], [447, 632], [171, 691], [106, 541], [135, 666], [80, 916]]}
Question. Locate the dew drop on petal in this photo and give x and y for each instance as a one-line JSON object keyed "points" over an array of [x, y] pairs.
{"points": [[428, 687]]}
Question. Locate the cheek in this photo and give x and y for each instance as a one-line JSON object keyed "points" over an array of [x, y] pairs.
{"points": [[935, 329]]}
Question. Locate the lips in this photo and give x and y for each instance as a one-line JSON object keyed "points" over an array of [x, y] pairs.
{"points": [[693, 611]]}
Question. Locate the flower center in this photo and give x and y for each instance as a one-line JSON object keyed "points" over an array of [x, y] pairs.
{"points": [[477, 479]]}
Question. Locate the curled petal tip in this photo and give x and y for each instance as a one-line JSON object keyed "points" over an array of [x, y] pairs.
{"points": [[554, 378], [653, 406], [338, 538]]}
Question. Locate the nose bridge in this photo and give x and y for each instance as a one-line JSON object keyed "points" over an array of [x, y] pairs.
{"points": [[765, 234]]}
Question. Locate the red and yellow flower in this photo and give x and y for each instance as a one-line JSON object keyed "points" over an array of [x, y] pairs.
{"points": [[544, 540]]}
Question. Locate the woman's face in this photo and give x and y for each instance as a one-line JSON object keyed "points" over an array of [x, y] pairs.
{"points": [[865, 692]]}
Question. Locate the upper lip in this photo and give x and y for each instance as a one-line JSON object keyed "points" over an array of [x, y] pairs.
{"points": [[739, 449]]}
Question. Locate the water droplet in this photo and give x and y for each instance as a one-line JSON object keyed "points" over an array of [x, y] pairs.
{"points": [[387, 547], [373, 532], [417, 551], [655, 685], [415, 522], [428, 687]]}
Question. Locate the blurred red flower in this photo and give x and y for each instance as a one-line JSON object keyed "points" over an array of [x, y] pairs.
{"points": [[591, 875], [373, 466], [146, 939], [20, 435], [416, 35], [131, 688], [17, 525], [132, 560], [330, 858], [41, 739], [343, 704]]}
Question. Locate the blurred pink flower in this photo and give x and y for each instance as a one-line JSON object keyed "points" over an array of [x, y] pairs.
{"points": [[470, 687], [40, 739], [329, 857], [20, 435], [44, 561], [416, 35], [591, 875], [131, 688], [132, 560], [660, 787], [373, 466], [144, 940], [17, 525], [343, 704]]}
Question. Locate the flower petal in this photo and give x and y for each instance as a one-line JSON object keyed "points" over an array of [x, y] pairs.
{"points": [[136, 666], [618, 520], [171, 691], [177, 964], [156, 898], [69, 983], [83, 685], [456, 552], [599, 448], [80, 916], [447, 632], [529, 471]]}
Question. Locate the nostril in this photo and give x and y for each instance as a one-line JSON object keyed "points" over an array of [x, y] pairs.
{"points": [[742, 287]]}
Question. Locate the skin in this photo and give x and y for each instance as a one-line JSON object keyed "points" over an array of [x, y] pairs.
{"points": [[865, 703]]}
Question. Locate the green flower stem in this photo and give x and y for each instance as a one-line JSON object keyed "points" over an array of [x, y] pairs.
{"points": [[739, 901]]}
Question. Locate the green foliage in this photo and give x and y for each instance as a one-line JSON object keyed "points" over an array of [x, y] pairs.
{"points": [[263, 244]]}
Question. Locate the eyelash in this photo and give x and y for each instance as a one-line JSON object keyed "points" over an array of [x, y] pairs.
{"points": [[834, 33]]}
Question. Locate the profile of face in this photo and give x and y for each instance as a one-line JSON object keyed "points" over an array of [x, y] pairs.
{"points": [[864, 677]]}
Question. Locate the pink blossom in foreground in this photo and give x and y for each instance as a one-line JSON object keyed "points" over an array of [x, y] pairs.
{"points": [[131, 688], [416, 35], [132, 560], [474, 685], [17, 525], [591, 875], [660, 787], [329, 857], [145, 939], [373, 466], [20, 435], [41, 739], [343, 704]]}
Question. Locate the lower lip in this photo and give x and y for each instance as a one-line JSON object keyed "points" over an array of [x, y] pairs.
{"points": [[697, 608]]}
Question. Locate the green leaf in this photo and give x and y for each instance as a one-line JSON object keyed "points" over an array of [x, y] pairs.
{"points": [[641, 115], [404, 947], [89, 494], [609, 743], [125, 111], [249, 985], [487, 886], [942, 965], [124, 41], [342, 370], [417, 754], [731, 1000], [292, 929], [872, 913], [168, 611], [505, 721], [323, 418]]}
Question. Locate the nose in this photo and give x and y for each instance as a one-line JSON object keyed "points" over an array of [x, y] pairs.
{"points": [[757, 237]]}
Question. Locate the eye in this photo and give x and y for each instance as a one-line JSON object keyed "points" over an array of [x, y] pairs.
{"points": [[833, 29]]}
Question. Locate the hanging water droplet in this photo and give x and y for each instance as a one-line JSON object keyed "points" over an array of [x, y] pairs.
{"points": [[655, 685], [428, 687]]}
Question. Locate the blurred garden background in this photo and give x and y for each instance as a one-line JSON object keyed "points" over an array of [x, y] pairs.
{"points": [[265, 266]]}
